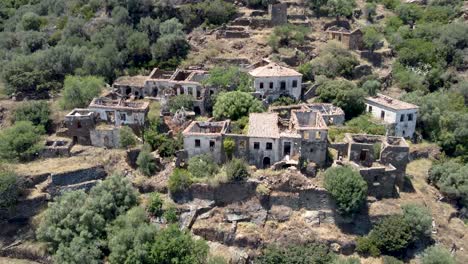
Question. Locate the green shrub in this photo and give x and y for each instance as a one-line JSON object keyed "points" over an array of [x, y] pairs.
{"points": [[178, 246], [366, 246], [420, 220], [79, 91], [392, 235], [365, 124], [237, 170], [179, 181], [130, 237], [180, 101], [146, 163], [283, 100], [74, 226], [202, 166], [229, 146], [127, 137], [36, 112], [344, 94], [347, 188], [309, 253], [334, 60], [451, 178], [229, 78], [20, 142], [170, 214], [287, 35], [371, 38], [437, 255], [235, 105], [371, 87], [155, 204], [9, 188]]}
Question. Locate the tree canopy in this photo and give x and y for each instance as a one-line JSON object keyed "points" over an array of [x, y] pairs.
{"points": [[236, 104]]}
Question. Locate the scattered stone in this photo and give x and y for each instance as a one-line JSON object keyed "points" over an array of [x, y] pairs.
{"points": [[335, 247], [312, 217], [311, 170], [233, 217], [280, 213]]}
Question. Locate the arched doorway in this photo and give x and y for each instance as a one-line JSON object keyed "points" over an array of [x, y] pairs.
{"points": [[266, 162], [197, 110]]}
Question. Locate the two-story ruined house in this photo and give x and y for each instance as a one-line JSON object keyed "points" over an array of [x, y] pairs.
{"points": [[161, 85], [100, 123], [399, 116], [272, 81], [270, 139]]}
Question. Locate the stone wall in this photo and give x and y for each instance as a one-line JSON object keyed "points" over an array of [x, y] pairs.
{"points": [[222, 194], [108, 137], [279, 14], [381, 181], [78, 176]]}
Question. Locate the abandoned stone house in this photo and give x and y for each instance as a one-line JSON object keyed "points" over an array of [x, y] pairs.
{"points": [[399, 117], [351, 39], [272, 81], [120, 112], [100, 123], [56, 147], [161, 85], [270, 140], [380, 160], [332, 115]]}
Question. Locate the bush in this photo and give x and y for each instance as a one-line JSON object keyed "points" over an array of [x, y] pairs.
{"points": [[237, 170], [202, 166], [235, 105], [371, 38], [365, 124], [287, 35], [437, 255], [31, 21], [145, 162], [334, 60], [180, 101], [344, 94], [309, 253], [229, 146], [392, 235], [178, 246], [171, 215], [130, 237], [79, 91], [366, 246], [127, 137], [20, 142], [155, 204], [283, 100], [36, 112], [74, 227], [347, 188], [451, 178], [9, 188], [229, 78], [371, 87], [420, 220], [179, 181]]}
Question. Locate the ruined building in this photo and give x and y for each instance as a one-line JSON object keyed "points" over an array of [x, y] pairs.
{"points": [[351, 39], [380, 160], [270, 140], [161, 85], [272, 81], [99, 124], [400, 117], [332, 115]]}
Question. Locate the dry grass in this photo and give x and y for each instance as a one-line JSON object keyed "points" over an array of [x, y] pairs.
{"points": [[15, 261]]}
